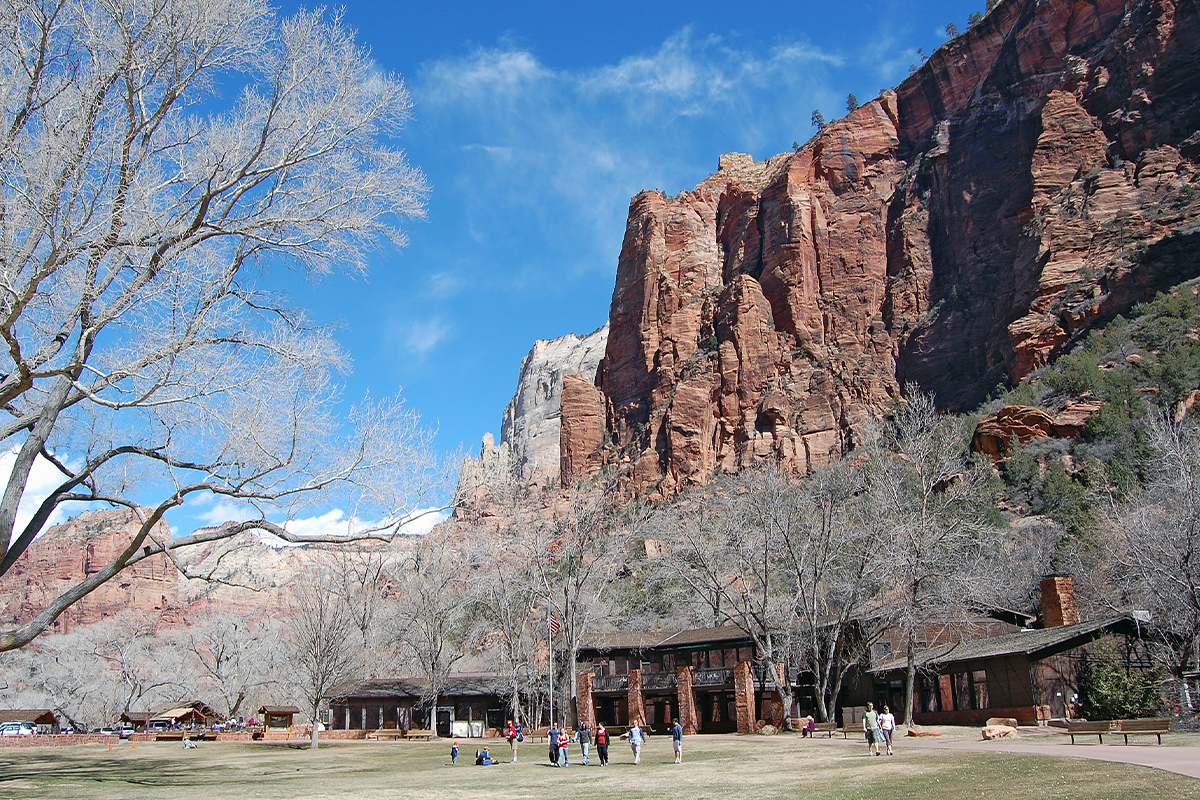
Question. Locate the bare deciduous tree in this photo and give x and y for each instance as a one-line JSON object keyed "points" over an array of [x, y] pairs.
{"points": [[935, 500], [138, 357], [1158, 536], [321, 637], [235, 659], [577, 560], [433, 627], [728, 548]]}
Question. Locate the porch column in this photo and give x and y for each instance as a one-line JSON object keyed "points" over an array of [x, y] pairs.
{"points": [[587, 706], [688, 717], [743, 696], [637, 705]]}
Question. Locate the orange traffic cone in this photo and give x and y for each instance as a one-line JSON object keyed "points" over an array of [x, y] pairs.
{"points": [[110, 747], [133, 745]]}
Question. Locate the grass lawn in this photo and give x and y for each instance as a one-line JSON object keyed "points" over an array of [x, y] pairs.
{"points": [[716, 767]]}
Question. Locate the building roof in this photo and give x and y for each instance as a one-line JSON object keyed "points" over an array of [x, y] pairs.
{"points": [[1035, 644], [666, 640], [38, 716], [173, 711], [279, 710], [457, 685]]}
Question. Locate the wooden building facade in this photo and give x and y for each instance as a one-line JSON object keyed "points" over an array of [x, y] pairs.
{"points": [[469, 706], [706, 678], [1027, 675]]}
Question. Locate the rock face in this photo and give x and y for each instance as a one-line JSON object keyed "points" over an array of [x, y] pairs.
{"points": [[532, 419], [1036, 177], [243, 576], [995, 432], [68, 553]]}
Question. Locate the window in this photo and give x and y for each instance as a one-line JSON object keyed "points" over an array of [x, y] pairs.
{"points": [[946, 693], [962, 690], [668, 662], [979, 680], [970, 691]]}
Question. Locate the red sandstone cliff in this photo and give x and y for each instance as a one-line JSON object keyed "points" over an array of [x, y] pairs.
{"points": [[1037, 176], [247, 577]]}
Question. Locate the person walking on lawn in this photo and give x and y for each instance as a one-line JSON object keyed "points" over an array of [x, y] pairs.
{"points": [[677, 741], [602, 744], [871, 728]]}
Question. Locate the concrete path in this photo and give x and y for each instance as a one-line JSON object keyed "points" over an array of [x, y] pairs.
{"points": [[1181, 760]]}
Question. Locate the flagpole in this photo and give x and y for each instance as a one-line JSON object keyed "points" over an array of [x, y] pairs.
{"points": [[550, 650]]}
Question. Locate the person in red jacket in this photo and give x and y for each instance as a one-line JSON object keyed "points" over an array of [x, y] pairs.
{"points": [[513, 735]]}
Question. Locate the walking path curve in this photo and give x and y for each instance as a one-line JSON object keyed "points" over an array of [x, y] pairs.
{"points": [[1181, 760]]}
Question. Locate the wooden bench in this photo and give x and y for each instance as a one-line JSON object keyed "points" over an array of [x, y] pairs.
{"points": [[827, 728], [422, 735], [390, 734], [538, 735], [1154, 727], [1098, 728]]}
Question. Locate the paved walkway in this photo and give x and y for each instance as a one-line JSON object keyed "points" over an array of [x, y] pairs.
{"points": [[1182, 760]]}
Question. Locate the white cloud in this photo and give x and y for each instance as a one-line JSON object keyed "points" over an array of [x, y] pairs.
{"points": [[336, 523], [44, 478], [421, 336], [215, 510]]}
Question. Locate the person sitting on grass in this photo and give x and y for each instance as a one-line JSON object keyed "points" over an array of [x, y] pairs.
{"points": [[483, 758]]}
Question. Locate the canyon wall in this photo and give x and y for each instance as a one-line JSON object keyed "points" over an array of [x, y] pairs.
{"points": [[239, 576], [1034, 178]]}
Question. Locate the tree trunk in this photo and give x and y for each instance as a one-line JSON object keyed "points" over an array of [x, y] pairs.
{"points": [[574, 693], [315, 719], [910, 677], [786, 697]]}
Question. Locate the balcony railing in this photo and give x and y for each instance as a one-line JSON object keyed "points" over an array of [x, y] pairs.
{"points": [[658, 680], [716, 676], [610, 683]]}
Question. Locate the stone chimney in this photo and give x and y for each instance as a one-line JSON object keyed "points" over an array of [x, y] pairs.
{"points": [[1058, 602]]}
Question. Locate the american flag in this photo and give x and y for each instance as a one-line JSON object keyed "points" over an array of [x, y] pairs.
{"points": [[552, 621]]}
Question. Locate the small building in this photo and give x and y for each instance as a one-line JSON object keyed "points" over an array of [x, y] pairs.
{"points": [[45, 719], [469, 706], [1012, 675], [194, 714], [277, 718]]}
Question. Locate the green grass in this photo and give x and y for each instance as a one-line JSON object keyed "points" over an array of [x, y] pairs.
{"points": [[716, 767]]}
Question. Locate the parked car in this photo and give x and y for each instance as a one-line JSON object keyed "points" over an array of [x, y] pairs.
{"points": [[125, 730], [18, 729]]}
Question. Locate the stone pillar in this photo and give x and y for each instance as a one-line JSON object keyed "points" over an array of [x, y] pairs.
{"points": [[688, 716], [743, 696], [636, 705], [587, 706]]}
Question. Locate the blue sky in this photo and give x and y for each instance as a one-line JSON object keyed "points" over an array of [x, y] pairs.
{"points": [[535, 123]]}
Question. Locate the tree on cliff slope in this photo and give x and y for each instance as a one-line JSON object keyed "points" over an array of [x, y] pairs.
{"points": [[136, 204]]}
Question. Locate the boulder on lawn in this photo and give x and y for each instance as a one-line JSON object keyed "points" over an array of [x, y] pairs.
{"points": [[999, 732], [1009, 721], [915, 732], [768, 730]]}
